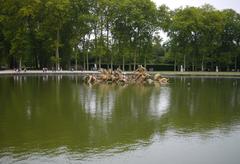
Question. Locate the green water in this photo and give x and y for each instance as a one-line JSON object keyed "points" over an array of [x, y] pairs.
{"points": [[55, 119]]}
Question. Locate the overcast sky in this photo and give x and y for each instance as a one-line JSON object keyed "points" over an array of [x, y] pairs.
{"points": [[219, 4]]}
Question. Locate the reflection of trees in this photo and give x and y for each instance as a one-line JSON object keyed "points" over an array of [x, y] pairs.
{"points": [[98, 100], [42, 113], [160, 101], [120, 114], [53, 112], [199, 105], [130, 116]]}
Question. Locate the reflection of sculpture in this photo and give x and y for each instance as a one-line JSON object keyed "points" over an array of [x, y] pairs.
{"points": [[90, 79], [140, 76]]}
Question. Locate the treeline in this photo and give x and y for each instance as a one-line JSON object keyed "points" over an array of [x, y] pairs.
{"points": [[78, 33]]}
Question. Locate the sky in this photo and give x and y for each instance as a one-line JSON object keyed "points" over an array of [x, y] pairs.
{"points": [[218, 4]]}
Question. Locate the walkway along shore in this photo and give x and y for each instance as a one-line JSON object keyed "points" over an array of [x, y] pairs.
{"points": [[164, 73]]}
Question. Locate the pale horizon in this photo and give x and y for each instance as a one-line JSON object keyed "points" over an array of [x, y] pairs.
{"points": [[220, 5]]}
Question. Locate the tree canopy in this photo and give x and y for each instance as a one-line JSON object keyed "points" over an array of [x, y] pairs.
{"points": [[81, 34]]}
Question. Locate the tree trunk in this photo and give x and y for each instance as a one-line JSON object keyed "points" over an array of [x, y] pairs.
{"points": [[184, 63], [57, 51], [101, 42], [36, 61], [193, 66], [84, 62], [87, 62], [100, 62], [202, 64], [111, 62], [123, 63], [175, 63], [76, 63], [145, 62], [235, 64], [20, 64], [108, 44], [69, 64], [195, 54], [134, 60], [95, 41]]}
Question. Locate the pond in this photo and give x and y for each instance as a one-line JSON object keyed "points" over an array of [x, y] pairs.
{"points": [[58, 119]]}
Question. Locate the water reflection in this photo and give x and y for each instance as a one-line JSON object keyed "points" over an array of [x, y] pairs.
{"points": [[98, 101], [205, 105], [160, 101], [45, 113]]}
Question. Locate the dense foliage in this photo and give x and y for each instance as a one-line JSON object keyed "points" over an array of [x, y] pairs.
{"points": [[79, 33]]}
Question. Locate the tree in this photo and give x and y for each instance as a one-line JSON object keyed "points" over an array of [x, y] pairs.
{"points": [[230, 37], [57, 13], [36, 33]]}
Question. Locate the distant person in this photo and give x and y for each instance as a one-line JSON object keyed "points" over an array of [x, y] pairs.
{"points": [[181, 69]]}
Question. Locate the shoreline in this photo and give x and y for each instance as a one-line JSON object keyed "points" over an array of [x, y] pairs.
{"points": [[163, 73]]}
